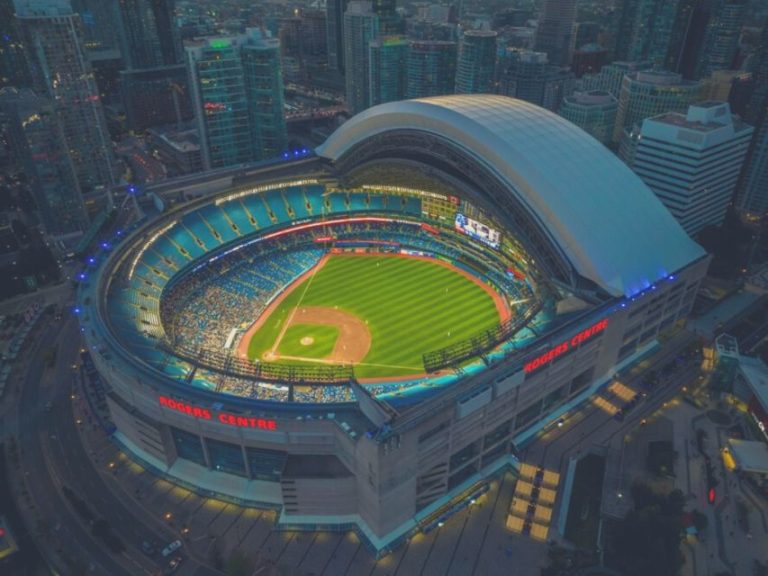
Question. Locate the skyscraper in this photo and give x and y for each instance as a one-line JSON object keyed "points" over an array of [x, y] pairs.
{"points": [[154, 85], [334, 19], [610, 77], [13, 64], [40, 146], [62, 74], [646, 29], [100, 20], [530, 77], [361, 25], [753, 184], [388, 69], [431, 68], [555, 34], [652, 92], [219, 101], [722, 36], [237, 93], [594, 112], [264, 88], [692, 161], [149, 37], [476, 63]]}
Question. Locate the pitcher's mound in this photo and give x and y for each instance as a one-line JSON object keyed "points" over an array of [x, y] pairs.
{"points": [[307, 341]]}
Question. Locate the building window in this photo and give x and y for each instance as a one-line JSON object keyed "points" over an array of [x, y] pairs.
{"points": [[188, 446], [265, 464], [226, 457], [580, 381]]}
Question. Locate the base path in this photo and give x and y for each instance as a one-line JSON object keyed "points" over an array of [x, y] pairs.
{"points": [[245, 339], [351, 346]]}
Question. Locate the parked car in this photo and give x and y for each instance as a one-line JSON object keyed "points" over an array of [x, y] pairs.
{"points": [[171, 548]]}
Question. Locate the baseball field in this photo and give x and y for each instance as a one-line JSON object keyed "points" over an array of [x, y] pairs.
{"points": [[381, 313]]}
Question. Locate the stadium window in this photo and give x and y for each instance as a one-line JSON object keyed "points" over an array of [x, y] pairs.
{"points": [[497, 434], [434, 431], [188, 446], [554, 397], [647, 335], [265, 464], [581, 380], [529, 414], [627, 349], [464, 455], [226, 457]]}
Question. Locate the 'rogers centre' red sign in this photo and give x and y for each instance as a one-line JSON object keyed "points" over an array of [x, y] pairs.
{"points": [[564, 346], [223, 417]]}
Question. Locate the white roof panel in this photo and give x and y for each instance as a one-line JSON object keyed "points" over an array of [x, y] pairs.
{"points": [[606, 221]]}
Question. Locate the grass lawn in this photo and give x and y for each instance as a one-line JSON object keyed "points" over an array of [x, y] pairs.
{"points": [[412, 306], [324, 338]]}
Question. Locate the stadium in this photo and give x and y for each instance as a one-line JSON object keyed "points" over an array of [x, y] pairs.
{"points": [[363, 337]]}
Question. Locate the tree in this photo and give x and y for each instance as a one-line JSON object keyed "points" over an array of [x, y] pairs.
{"points": [[647, 540], [700, 521]]}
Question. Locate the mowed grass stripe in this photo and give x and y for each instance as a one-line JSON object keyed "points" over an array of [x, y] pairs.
{"points": [[404, 301]]}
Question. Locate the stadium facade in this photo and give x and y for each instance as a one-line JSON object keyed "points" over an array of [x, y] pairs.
{"points": [[593, 265]]}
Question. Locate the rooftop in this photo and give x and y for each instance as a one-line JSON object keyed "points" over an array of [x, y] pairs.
{"points": [[592, 206]]}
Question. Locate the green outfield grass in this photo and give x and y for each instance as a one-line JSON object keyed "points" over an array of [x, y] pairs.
{"points": [[412, 306], [324, 338]]}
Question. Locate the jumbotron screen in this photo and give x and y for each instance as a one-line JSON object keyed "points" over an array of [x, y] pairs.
{"points": [[478, 231]]}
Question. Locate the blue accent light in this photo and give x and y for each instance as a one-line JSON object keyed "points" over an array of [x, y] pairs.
{"points": [[76, 310], [81, 276], [285, 154], [91, 260]]}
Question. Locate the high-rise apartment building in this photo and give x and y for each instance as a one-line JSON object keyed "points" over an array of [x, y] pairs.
{"points": [[652, 92], [653, 30], [303, 43], [334, 19], [431, 68], [260, 57], [237, 95], [530, 77], [62, 73], [154, 85], [753, 185], [692, 161], [555, 33], [611, 76], [361, 25], [648, 30], [594, 112], [388, 69], [721, 41], [13, 64], [476, 65], [39, 145]]}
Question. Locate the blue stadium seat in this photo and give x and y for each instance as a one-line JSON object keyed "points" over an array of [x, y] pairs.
{"points": [[218, 221], [201, 229]]}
